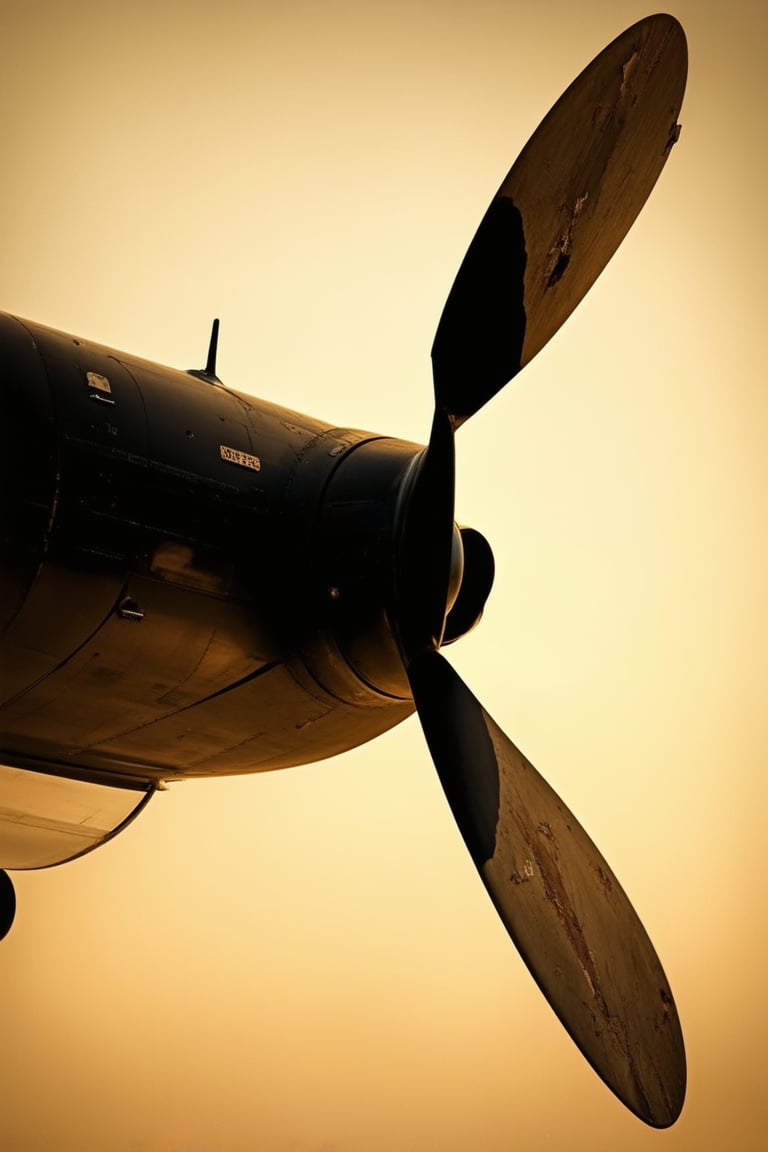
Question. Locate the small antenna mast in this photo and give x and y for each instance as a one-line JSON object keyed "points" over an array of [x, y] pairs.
{"points": [[209, 372]]}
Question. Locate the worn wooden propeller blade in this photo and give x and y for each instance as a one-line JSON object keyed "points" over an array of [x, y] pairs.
{"points": [[565, 206], [560, 902]]}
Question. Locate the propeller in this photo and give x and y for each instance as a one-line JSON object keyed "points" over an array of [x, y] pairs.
{"points": [[557, 219]]}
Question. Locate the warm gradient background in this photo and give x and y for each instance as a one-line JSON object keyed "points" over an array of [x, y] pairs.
{"points": [[306, 962]]}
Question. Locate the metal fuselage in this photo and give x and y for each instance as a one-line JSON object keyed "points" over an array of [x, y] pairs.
{"points": [[194, 582]]}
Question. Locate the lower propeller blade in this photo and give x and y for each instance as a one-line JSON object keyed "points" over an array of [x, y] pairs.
{"points": [[570, 919], [565, 206]]}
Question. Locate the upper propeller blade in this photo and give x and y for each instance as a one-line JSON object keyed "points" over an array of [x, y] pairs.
{"points": [[570, 919], [560, 214]]}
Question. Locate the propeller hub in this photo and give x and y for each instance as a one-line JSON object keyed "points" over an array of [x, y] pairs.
{"points": [[457, 568], [466, 608]]}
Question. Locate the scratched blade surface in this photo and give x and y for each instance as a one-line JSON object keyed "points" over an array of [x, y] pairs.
{"points": [[565, 206], [562, 905]]}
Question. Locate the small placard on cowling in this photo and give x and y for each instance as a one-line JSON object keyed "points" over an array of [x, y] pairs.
{"points": [[95, 380], [244, 459]]}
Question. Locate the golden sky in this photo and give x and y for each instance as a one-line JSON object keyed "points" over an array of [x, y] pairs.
{"points": [[307, 962]]}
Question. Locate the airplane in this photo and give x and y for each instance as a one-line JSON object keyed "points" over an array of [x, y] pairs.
{"points": [[197, 583]]}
